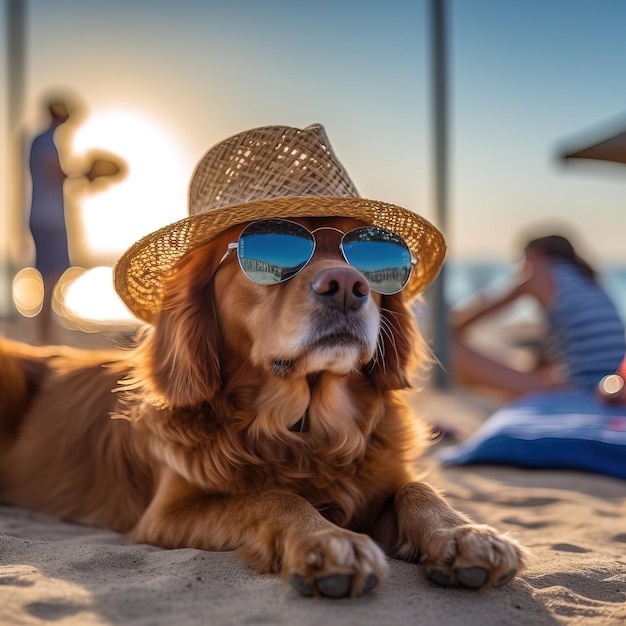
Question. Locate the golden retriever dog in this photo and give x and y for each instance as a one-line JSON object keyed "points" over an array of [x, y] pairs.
{"points": [[263, 419]]}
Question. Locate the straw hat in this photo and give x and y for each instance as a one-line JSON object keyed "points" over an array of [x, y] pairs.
{"points": [[273, 171]]}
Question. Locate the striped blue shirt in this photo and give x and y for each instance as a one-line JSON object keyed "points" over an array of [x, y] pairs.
{"points": [[587, 332]]}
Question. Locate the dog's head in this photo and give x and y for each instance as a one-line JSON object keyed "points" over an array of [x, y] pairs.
{"points": [[216, 323]]}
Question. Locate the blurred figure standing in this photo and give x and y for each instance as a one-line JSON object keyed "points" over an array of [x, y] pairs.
{"points": [[585, 337], [47, 211]]}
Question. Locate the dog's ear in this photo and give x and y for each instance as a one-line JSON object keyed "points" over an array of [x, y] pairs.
{"points": [[183, 347], [402, 352]]}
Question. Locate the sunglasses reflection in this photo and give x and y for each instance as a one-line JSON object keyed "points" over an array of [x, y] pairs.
{"points": [[275, 250]]}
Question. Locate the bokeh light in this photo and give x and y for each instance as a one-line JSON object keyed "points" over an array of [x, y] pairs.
{"points": [[27, 291], [86, 300]]}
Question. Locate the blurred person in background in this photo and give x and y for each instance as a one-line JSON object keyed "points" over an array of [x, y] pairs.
{"points": [[47, 210], [47, 220], [585, 334]]}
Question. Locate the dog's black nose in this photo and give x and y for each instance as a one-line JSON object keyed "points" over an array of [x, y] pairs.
{"points": [[344, 288]]}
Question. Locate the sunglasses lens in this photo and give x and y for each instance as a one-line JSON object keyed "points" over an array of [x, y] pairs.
{"points": [[272, 251], [381, 256]]}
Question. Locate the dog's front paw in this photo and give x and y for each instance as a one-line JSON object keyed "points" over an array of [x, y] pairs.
{"points": [[472, 556], [334, 563]]}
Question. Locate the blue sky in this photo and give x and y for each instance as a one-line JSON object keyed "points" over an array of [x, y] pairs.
{"points": [[527, 77]]}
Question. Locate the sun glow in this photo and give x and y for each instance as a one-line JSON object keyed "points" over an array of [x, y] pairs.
{"points": [[114, 213], [86, 299], [152, 194]]}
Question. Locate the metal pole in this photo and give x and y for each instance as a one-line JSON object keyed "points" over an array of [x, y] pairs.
{"points": [[440, 114], [14, 194]]}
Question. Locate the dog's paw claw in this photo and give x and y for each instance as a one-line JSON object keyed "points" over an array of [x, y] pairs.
{"points": [[472, 556], [300, 585], [506, 578], [370, 582], [334, 586], [439, 578], [473, 577]]}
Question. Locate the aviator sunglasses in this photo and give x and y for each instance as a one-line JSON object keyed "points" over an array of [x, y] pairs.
{"points": [[272, 251]]}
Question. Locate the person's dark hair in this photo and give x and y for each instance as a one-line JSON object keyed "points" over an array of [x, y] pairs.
{"points": [[558, 247], [58, 110]]}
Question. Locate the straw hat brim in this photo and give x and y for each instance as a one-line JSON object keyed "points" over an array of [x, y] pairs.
{"points": [[139, 274]]}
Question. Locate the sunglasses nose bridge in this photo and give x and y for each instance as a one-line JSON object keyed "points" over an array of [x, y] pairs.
{"points": [[327, 236]]}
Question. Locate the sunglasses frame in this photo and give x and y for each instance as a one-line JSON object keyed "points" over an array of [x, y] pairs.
{"points": [[235, 246]]}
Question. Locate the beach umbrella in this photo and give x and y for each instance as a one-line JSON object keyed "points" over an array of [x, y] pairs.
{"points": [[611, 148], [103, 167]]}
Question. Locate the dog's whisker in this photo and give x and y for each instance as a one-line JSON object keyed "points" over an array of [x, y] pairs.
{"points": [[388, 330], [391, 313], [379, 355]]}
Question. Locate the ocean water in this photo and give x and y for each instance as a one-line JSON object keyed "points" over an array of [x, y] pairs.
{"points": [[465, 280]]}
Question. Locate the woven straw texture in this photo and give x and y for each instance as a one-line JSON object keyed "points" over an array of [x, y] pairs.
{"points": [[268, 162], [274, 171]]}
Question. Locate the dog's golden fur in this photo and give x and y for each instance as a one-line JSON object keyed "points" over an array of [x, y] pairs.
{"points": [[189, 441]]}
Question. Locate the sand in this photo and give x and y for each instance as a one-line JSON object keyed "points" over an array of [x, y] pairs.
{"points": [[574, 523]]}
